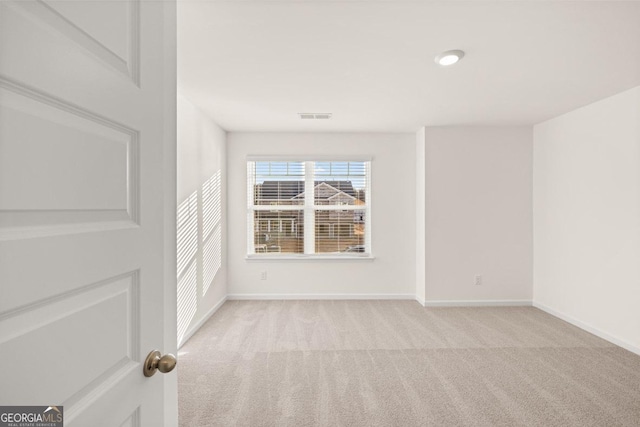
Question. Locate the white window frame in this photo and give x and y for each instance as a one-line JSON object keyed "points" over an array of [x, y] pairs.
{"points": [[309, 209]]}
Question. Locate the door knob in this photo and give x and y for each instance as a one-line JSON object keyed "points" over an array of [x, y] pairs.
{"points": [[155, 361]]}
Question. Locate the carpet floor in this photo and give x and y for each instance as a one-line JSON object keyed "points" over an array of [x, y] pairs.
{"points": [[396, 363]]}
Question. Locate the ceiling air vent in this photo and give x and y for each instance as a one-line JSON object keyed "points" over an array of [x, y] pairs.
{"points": [[315, 116]]}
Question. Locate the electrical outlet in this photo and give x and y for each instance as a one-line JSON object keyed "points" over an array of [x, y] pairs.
{"points": [[478, 280], [263, 275]]}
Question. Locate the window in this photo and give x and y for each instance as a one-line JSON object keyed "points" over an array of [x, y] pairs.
{"points": [[302, 208]]}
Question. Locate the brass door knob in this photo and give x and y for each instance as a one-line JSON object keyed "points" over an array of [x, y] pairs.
{"points": [[155, 361]]}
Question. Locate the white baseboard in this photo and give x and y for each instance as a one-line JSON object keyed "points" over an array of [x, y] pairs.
{"points": [[595, 331], [320, 296], [194, 328], [441, 303], [477, 303]]}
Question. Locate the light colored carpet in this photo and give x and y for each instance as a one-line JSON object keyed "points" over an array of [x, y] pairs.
{"points": [[395, 363]]}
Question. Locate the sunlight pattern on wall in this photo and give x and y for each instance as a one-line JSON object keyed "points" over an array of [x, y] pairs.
{"points": [[187, 231], [211, 204], [199, 249], [211, 258], [211, 229], [187, 298], [187, 240]]}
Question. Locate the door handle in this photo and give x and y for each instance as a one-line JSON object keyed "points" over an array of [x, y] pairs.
{"points": [[156, 362]]}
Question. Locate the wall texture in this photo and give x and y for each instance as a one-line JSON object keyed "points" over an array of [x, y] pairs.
{"points": [[202, 273], [478, 214], [390, 274], [587, 217]]}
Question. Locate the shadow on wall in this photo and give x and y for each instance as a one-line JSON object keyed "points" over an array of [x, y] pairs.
{"points": [[199, 247]]}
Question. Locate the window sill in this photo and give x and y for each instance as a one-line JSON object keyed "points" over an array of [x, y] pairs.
{"points": [[315, 257]]}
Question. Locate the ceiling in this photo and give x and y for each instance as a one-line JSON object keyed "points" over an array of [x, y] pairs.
{"points": [[254, 65]]}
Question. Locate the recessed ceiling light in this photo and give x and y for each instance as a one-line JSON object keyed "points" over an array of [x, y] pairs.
{"points": [[449, 57]]}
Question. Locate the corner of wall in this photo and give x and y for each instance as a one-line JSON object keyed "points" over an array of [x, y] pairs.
{"points": [[420, 217], [201, 218], [587, 217]]}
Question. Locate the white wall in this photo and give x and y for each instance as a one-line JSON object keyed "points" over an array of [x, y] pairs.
{"points": [[420, 217], [587, 217], [478, 221], [201, 170], [391, 273]]}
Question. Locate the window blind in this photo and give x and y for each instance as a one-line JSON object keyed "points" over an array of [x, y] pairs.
{"points": [[308, 207]]}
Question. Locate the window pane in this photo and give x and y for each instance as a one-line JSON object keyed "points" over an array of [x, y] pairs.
{"points": [[340, 183], [339, 231], [279, 183], [336, 223], [279, 232]]}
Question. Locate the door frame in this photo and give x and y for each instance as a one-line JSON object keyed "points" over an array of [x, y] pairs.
{"points": [[170, 405]]}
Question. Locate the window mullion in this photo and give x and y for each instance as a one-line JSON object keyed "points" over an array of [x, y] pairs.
{"points": [[309, 214]]}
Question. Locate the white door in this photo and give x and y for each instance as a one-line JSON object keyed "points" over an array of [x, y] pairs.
{"points": [[85, 145]]}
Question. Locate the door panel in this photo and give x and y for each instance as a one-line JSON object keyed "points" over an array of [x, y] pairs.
{"points": [[111, 25], [57, 328], [82, 31], [55, 188], [83, 98]]}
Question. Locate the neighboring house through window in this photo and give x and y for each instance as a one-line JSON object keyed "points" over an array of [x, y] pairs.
{"points": [[308, 207]]}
